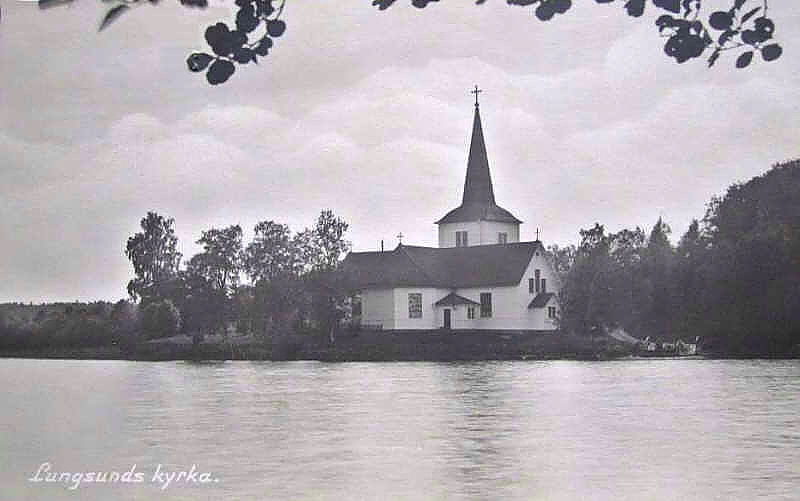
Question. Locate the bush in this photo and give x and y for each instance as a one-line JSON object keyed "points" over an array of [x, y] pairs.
{"points": [[160, 319]]}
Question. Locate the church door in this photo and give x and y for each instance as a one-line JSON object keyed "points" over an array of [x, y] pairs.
{"points": [[447, 318]]}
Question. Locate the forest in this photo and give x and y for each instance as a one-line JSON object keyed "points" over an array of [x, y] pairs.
{"points": [[732, 279]]}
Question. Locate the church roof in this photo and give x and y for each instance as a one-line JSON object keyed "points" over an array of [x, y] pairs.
{"points": [[478, 202], [451, 267]]}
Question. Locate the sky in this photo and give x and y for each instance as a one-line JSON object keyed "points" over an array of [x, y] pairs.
{"points": [[367, 113]]}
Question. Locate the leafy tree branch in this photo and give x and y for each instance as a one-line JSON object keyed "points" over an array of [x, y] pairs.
{"points": [[688, 30]]}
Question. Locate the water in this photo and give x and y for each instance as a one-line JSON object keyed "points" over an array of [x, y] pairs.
{"points": [[633, 430]]}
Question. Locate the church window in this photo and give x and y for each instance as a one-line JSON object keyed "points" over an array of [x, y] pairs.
{"points": [[414, 305], [502, 238], [538, 274], [531, 286], [544, 285], [471, 312], [461, 239], [486, 304], [551, 312]]}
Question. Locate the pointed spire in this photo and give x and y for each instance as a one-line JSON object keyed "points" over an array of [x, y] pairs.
{"points": [[478, 203], [478, 184]]}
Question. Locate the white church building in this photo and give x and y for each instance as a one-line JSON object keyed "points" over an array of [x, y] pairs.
{"points": [[481, 277]]}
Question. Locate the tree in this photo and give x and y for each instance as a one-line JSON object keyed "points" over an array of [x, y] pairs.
{"points": [[328, 293], [210, 280], [123, 318], [243, 309], [659, 270], [321, 249], [689, 30], [274, 261], [582, 292], [222, 257], [203, 305], [272, 253], [603, 287], [294, 277], [690, 280], [325, 244], [750, 264], [160, 319], [626, 288], [155, 258], [562, 258]]}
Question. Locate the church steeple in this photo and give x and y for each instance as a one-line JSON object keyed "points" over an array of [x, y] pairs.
{"points": [[478, 183], [478, 212]]}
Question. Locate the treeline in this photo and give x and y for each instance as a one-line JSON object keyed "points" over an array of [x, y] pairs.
{"points": [[291, 289], [292, 286], [733, 278], [67, 325]]}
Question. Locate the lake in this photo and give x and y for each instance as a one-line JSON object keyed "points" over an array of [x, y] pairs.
{"points": [[623, 430]]}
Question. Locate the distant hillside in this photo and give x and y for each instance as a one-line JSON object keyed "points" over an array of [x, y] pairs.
{"points": [[21, 313]]}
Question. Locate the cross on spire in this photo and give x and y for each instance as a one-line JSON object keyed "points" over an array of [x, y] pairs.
{"points": [[400, 237], [476, 92]]}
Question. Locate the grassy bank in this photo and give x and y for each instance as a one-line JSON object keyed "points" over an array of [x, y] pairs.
{"points": [[361, 346]]}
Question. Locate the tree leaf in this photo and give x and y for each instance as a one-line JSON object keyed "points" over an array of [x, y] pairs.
{"points": [[383, 4], [112, 15], [199, 61], [673, 6], [635, 8], [743, 61], [46, 4], [750, 14], [771, 52], [220, 71]]}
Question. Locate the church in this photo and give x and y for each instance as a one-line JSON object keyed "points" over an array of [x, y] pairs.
{"points": [[480, 277]]}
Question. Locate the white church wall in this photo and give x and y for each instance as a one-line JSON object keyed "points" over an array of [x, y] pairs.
{"points": [[447, 233], [538, 316], [478, 232], [510, 304], [429, 314], [490, 229], [506, 312], [377, 308]]}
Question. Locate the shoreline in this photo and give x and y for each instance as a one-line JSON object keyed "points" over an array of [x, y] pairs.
{"points": [[427, 346]]}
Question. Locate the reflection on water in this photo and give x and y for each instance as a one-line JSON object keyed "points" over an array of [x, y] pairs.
{"points": [[656, 429]]}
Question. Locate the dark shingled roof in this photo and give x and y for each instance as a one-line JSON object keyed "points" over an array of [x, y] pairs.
{"points": [[478, 202], [388, 269], [452, 267], [477, 212], [541, 300], [453, 299]]}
